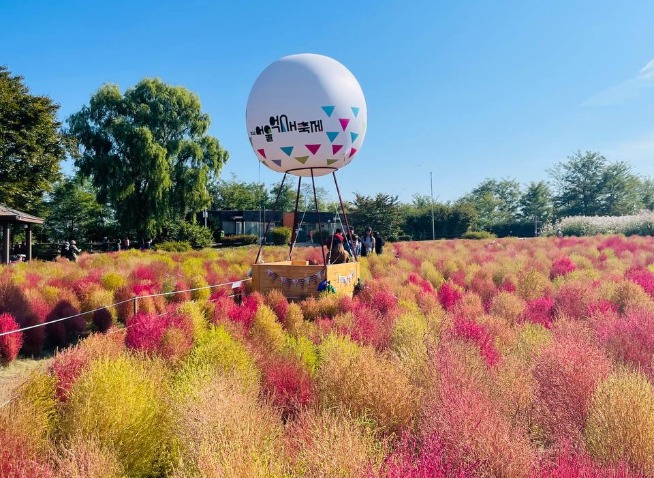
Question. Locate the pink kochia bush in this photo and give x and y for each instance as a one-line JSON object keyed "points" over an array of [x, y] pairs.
{"points": [[287, 385], [168, 334], [566, 374], [225, 309], [561, 267], [9, 344]]}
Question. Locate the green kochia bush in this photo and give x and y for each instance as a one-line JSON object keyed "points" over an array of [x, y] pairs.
{"points": [[121, 404]]}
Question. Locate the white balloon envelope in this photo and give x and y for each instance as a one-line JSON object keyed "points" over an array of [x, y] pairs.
{"points": [[306, 114]]}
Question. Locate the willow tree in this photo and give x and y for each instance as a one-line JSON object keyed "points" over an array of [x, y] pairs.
{"points": [[31, 144], [147, 152]]}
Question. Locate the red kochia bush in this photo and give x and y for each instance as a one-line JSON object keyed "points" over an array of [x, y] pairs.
{"points": [[428, 458], [562, 266], [424, 284], [9, 344], [566, 374], [19, 459], [643, 278], [66, 367], [630, 338], [449, 295], [287, 385], [540, 311], [62, 332], [571, 464], [478, 333], [144, 332], [102, 319]]}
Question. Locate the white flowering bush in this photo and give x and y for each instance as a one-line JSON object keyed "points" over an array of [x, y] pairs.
{"points": [[641, 224]]}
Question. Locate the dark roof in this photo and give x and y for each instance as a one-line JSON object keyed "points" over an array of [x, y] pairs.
{"points": [[14, 215]]}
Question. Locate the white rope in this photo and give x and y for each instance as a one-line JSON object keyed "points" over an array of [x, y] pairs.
{"points": [[123, 302]]}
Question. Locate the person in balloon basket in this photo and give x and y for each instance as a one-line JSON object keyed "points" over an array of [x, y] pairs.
{"points": [[368, 243], [337, 253], [379, 243]]}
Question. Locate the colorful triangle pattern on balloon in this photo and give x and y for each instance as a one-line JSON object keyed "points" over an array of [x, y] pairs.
{"points": [[354, 136], [332, 135], [353, 151], [278, 162], [262, 152], [302, 159], [336, 148], [331, 161], [328, 110], [344, 122], [313, 148], [355, 110], [287, 149]]}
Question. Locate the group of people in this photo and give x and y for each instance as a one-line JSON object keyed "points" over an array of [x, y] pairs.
{"points": [[343, 247], [70, 251], [122, 245]]}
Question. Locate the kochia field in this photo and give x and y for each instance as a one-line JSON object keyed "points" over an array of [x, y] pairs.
{"points": [[508, 358]]}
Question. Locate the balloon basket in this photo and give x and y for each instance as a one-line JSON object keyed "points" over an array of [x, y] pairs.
{"points": [[299, 279]]}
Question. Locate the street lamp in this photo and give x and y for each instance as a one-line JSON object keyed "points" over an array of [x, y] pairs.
{"points": [[431, 186]]}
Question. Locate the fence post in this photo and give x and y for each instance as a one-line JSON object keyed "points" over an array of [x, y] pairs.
{"points": [[136, 307]]}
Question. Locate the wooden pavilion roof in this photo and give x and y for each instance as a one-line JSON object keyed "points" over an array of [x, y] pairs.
{"points": [[8, 214]]}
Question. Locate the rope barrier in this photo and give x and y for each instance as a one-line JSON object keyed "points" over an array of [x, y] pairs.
{"points": [[133, 299]]}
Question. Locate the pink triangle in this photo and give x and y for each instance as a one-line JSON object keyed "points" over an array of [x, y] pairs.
{"points": [[344, 122], [262, 152], [336, 148], [352, 152], [313, 148]]}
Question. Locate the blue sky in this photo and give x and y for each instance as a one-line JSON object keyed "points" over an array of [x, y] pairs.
{"points": [[465, 90]]}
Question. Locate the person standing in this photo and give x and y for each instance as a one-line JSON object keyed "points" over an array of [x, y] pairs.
{"points": [[379, 243], [73, 251], [368, 243]]}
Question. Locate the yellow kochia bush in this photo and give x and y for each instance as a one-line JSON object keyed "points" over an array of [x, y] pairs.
{"points": [[620, 423], [121, 404], [221, 429], [367, 384]]}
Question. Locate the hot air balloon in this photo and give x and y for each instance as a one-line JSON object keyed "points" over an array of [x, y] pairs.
{"points": [[306, 116]]}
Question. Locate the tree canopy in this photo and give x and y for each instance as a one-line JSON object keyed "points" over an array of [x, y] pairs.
{"points": [[31, 144], [147, 152]]}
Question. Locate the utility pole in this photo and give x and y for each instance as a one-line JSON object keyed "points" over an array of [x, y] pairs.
{"points": [[431, 186]]}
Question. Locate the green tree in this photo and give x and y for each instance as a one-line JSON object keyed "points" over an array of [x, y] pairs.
{"points": [[239, 195], [72, 212], [536, 203], [578, 184], [381, 212], [646, 192], [620, 190], [148, 153], [31, 144], [496, 202]]}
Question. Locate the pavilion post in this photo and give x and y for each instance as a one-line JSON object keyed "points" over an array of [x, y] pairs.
{"points": [[5, 243], [28, 242]]}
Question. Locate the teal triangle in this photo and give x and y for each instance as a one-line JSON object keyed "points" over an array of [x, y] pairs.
{"points": [[332, 135], [328, 109], [355, 111], [287, 149], [353, 136]]}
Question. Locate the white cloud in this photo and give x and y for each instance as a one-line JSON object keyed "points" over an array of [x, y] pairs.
{"points": [[627, 90]]}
